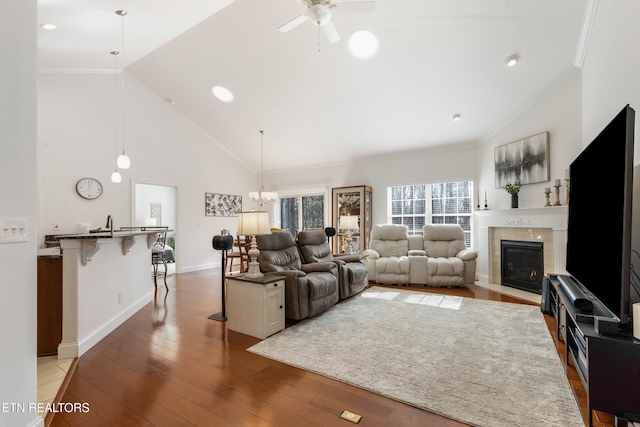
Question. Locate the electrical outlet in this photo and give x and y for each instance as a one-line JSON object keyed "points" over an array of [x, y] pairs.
{"points": [[119, 297]]}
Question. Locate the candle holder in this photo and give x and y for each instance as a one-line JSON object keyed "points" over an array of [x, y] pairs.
{"points": [[547, 193], [557, 203], [486, 207], [566, 197]]}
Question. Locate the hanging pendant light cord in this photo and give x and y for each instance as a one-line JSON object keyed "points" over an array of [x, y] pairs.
{"points": [[122, 13], [115, 101], [261, 163]]}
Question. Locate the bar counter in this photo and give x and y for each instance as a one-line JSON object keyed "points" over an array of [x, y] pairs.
{"points": [[106, 278]]}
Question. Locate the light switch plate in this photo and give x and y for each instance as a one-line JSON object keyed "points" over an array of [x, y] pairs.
{"points": [[13, 230]]}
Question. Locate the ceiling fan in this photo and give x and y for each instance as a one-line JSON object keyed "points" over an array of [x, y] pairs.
{"points": [[319, 13]]}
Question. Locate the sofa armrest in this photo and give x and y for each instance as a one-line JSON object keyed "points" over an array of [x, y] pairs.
{"points": [[349, 257], [319, 267], [289, 274], [417, 252], [371, 253], [467, 254]]}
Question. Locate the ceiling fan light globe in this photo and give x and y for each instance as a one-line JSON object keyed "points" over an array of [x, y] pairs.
{"points": [[319, 14]]}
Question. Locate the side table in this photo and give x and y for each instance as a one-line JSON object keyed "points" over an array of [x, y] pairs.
{"points": [[256, 306]]}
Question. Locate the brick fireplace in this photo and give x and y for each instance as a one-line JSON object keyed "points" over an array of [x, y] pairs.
{"points": [[545, 225]]}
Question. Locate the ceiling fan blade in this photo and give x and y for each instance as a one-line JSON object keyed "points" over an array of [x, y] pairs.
{"points": [[331, 31], [356, 6], [292, 24]]}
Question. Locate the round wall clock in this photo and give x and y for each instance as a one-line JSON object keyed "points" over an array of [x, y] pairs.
{"points": [[89, 188]]}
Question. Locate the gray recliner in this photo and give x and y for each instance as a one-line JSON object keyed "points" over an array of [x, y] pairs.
{"points": [[314, 248], [310, 289], [449, 262]]}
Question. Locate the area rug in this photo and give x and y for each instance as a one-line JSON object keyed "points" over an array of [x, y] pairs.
{"points": [[484, 363]]}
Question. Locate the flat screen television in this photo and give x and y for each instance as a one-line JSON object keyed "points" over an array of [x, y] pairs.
{"points": [[599, 228]]}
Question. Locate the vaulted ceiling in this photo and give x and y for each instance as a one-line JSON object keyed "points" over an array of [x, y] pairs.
{"points": [[316, 102]]}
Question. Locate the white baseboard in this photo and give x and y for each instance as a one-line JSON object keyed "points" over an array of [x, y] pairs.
{"points": [[77, 349], [200, 267]]}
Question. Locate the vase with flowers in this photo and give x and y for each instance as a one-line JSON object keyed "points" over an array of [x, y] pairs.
{"points": [[513, 189]]}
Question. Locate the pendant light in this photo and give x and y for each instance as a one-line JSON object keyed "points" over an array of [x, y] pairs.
{"points": [[123, 161], [115, 176], [262, 197]]}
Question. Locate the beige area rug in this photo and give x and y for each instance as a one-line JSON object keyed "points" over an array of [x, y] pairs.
{"points": [[484, 363]]}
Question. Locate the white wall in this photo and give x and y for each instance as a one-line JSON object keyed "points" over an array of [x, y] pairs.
{"points": [[611, 72], [424, 167], [611, 79], [18, 198], [76, 138], [559, 113]]}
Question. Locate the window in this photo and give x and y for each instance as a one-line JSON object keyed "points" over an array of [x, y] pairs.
{"points": [[409, 206], [451, 203], [307, 211], [442, 203]]}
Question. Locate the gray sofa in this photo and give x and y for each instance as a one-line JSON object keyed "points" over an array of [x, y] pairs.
{"points": [[437, 258], [310, 289]]}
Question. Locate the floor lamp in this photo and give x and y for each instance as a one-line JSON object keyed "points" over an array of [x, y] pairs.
{"points": [[250, 224]]}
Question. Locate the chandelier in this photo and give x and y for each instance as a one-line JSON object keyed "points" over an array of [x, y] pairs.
{"points": [[262, 197]]}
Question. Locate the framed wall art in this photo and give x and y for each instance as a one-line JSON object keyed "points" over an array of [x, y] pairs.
{"points": [[526, 160], [222, 204]]}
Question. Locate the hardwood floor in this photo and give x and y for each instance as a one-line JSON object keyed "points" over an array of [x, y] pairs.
{"points": [[169, 365]]}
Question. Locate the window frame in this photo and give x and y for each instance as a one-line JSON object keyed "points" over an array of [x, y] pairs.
{"points": [[300, 193], [428, 211]]}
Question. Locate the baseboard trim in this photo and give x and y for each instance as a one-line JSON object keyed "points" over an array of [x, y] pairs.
{"points": [[67, 350], [200, 267]]}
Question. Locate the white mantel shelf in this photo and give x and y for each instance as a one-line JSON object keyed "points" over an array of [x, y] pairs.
{"points": [[554, 217]]}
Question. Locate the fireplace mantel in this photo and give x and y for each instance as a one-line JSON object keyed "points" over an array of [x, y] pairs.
{"points": [[553, 218], [550, 217]]}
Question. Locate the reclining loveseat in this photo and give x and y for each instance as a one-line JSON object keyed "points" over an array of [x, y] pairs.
{"points": [[437, 258], [310, 289], [352, 272]]}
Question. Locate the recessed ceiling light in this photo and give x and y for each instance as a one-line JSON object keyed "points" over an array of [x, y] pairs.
{"points": [[512, 61], [456, 117], [363, 44], [222, 93], [48, 26]]}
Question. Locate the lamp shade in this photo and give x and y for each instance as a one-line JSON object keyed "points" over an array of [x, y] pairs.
{"points": [[253, 223], [123, 161], [349, 222], [116, 177]]}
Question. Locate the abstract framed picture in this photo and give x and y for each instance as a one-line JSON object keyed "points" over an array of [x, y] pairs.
{"points": [[222, 204], [526, 160]]}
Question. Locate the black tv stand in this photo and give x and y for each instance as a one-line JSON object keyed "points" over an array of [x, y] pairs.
{"points": [[606, 358]]}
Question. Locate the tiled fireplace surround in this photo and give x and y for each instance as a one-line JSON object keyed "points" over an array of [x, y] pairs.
{"points": [[546, 224]]}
